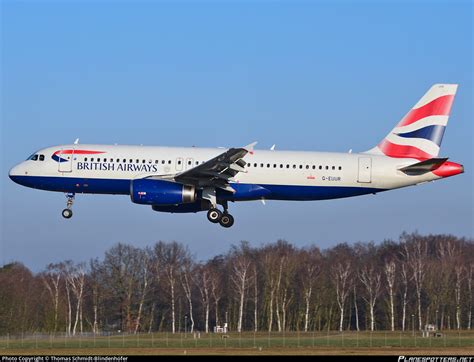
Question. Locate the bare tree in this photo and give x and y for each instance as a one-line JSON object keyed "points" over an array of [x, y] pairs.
{"points": [[459, 274], [146, 278], [416, 256], [405, 279], [470, 274], [309, 272], [203, 281], [216, 291], [240, 276], [371, 281], [390, 273], [51, 279], [95, 286], [187, 287], [356, 308], [255, 297], [171, 257], [76, 280], [341, 272], [271, 277]]}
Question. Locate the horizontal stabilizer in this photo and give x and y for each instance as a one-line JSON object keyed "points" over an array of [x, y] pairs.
{"points": [[423, 167]]}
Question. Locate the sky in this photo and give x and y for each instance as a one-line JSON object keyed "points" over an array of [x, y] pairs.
{"points": [[316, 76]]}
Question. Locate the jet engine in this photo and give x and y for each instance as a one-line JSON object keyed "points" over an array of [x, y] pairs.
{"points": [[160, 192]]}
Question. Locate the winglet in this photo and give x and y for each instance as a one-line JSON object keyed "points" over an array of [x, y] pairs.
{"points": [[249, 148]]}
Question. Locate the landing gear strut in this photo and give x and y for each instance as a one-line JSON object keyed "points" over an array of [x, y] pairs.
{"points": [[67, 212], [225, 219]]}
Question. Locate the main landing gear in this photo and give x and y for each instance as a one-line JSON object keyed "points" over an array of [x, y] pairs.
{"points": [[67, 212], [215, 216]]}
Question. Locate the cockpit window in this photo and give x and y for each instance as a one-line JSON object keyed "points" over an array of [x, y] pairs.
{"points": [[41, 158], [33, 158]]}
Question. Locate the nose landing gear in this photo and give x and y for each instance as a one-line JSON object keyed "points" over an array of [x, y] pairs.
{"points": [[67, 212]]}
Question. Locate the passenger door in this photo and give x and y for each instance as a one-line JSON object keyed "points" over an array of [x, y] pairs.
{"points": [[66, 158], [365, 170]]}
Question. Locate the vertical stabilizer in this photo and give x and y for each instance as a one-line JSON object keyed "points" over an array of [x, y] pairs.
{"points": [[419, 134]]}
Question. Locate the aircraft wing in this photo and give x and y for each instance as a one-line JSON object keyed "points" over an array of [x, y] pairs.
{"points": [[218, 171]]}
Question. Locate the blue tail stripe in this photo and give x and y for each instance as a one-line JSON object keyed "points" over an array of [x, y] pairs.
{"points": [[432, 133]]}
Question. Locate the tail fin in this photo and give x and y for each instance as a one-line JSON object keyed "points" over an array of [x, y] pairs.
{"points": [[419, 134]]}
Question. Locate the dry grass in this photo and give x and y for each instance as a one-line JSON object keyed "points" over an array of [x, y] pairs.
{"points": [[246, 351]]}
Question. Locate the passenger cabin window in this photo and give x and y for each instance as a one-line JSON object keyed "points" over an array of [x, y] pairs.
{"points": [[92, 159], [98, 160], [340, 168], [85, 159]]}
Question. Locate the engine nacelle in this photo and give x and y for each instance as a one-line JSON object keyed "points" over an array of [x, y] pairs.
{"points": [[159, 192]]}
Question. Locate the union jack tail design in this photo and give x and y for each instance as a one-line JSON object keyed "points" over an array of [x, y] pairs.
{"points": [[419, 134]]}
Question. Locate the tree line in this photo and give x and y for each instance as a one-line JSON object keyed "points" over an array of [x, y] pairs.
{"points": [[395, 285]]}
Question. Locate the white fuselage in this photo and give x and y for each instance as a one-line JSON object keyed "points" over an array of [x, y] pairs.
{"points": [[111, 170]]}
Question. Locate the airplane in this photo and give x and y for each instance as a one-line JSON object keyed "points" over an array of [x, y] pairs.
{"points": [[190, 180]]}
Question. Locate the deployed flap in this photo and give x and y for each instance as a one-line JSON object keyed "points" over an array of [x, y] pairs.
{"points": [[218, 171], [423, 167]]}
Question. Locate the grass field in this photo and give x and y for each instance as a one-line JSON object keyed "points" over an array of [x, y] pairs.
{"points": [[397, 343]]}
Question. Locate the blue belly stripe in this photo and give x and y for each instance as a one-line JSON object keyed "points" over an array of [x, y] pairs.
{"points": [[243, 191]]}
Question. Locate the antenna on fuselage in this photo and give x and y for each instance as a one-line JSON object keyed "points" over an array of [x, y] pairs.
{"points": [[76, 142], [272, 148]]}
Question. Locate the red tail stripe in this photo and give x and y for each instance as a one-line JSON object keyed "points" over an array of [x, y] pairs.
{"points": [[77, 152], [402, 151], [437, 107]]}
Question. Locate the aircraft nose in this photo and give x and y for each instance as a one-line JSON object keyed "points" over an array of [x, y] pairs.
{"points": [[14, 173]]}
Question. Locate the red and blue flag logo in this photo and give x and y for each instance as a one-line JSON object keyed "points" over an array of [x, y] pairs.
{"points": [[57, 155]]}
